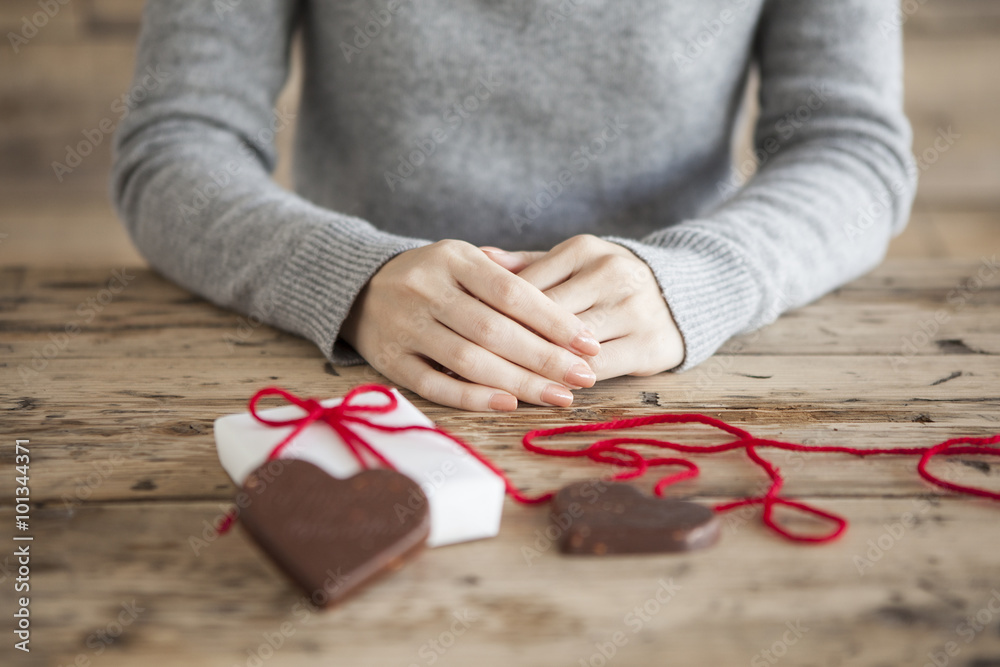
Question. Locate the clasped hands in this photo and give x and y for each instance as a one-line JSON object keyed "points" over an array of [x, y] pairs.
{"points": [[528, 326]]}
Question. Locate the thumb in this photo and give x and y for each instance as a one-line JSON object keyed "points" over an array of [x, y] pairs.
{"points": [[512, 261]]}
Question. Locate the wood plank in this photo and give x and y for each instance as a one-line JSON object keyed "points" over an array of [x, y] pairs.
{"points": [[836, 326], [113, 18], [151, 438], [918, 241], [948, 233], [888, 312], [210, 608], [124, 470], [952, 19], [29, 21], [48, 106], [931, 274], [944, 89], [47, 238], [52, 105], [965, 235]]}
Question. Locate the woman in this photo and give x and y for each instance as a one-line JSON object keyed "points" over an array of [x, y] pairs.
{"points": [[531, 196]]}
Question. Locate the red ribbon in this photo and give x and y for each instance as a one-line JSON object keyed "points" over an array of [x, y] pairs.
{"points": [[338, 417], [611, 451], [343, 417]]}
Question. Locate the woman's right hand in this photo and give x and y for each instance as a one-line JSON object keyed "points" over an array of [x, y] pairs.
{"points": [[449, 303]]}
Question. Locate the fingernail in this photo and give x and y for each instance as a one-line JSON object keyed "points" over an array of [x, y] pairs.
{"points": [[580, 375], [586, 343], [503, 402], [493, 251], [555, 394]]}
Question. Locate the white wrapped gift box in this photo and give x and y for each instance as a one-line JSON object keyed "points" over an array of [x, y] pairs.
{"points": [[465, 497]]}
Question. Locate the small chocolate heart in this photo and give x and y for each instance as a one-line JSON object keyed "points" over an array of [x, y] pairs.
{"points": [[334, 535], [616, 518]]}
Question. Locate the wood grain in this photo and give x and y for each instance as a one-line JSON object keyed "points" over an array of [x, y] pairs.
{"points": [[125, 478], [733, 601], [126, 486]]}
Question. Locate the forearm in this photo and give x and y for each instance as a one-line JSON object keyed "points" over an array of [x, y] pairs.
{"points": [[205, 214], [191, 177], [834, 184]]}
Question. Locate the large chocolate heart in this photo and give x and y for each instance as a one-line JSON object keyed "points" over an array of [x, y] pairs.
{"points": [[332, 535], [616, 518]]}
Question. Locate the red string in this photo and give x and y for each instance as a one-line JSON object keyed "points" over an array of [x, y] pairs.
{"points": [[340, 418], [599, 452], [611, 451]]}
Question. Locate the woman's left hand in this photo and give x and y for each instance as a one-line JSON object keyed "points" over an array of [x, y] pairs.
{"points": [[614, 293]]}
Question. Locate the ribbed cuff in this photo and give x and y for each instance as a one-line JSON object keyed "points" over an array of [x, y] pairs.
{"points": [[324, 276], [711, 292]]}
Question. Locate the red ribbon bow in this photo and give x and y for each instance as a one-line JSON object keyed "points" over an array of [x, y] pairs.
{"points": [[339, 417], [342, 418]]}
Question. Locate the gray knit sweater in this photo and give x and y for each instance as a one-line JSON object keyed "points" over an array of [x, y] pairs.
{"points": [[516, 123]]}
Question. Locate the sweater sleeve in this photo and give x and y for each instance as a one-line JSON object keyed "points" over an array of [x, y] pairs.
{"points": [[835, 183], [193, 155]]}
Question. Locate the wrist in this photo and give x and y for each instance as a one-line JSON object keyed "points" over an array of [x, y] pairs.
{"points": [[351, 324]]}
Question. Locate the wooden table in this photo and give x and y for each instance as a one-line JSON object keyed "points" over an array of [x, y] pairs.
{"points": [[124, 481]]}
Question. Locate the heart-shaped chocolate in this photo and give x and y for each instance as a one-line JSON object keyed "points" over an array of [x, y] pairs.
{"points": [[616, 518], [332, 535]]}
